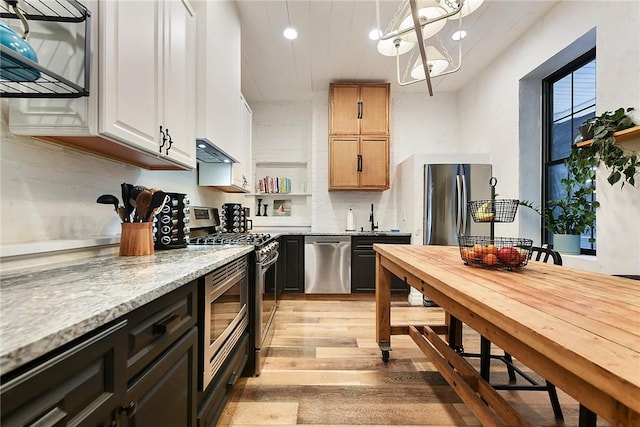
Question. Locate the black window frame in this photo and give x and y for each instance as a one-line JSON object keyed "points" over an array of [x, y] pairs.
{"points": [[547, 129]]}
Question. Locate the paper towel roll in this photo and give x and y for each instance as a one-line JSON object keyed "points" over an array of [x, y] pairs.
{"points": [[351, 225]]}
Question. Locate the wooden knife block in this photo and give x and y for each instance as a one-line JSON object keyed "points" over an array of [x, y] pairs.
{"points": [[136, 239]]}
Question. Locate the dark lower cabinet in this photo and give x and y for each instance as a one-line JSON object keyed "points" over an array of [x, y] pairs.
{"points": [[213, 400], [363, 263], [163, 361], [165, 393], [290, 265], [140, 371], [83, 385]]}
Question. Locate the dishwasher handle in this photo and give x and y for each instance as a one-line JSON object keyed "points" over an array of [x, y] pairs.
{"points": [[319, 240]]}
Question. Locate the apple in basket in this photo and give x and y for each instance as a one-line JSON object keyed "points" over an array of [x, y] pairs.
{"points": [[509, 256]]}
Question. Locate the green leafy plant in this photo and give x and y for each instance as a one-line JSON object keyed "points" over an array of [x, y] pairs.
{"points": [[576, 212], [620, 163]]}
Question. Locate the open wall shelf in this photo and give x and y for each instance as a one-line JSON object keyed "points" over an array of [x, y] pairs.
{"points": [[50, 84], [620, 136]]}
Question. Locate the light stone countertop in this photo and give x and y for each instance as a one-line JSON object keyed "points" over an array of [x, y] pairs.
{"points": [[46, 307]]}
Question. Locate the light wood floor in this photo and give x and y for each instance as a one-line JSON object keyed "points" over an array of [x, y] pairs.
{"points": [[325, 369]]}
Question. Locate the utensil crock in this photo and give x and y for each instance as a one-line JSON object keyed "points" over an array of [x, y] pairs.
{"points": [[136, 239]]}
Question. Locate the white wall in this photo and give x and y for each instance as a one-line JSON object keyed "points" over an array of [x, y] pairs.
{"points": [[49, 192], [491, 104]]}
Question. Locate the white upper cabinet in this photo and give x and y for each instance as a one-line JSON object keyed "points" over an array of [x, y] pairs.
{"points": [[219, 102], [243, 174], [142, 78], [131, 69], [147, 57]]}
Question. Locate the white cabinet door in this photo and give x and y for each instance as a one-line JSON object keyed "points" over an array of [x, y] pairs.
{"points": [[130, 87], [218, 75], [245, 160], [179, 81]]}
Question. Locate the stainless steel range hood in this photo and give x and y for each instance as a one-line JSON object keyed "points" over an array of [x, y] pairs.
{"points": [[218, 169], [207, 152]]}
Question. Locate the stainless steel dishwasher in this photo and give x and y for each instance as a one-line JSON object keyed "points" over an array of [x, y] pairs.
{"points": [[327, 264]]}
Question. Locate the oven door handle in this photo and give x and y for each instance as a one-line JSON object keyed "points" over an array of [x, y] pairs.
{"points": [[269, 261]]}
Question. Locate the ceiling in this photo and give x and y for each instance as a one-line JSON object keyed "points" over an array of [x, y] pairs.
{"points": [[333, 44]]}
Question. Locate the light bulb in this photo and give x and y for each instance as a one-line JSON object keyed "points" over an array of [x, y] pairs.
{"points": [[290, 33]]}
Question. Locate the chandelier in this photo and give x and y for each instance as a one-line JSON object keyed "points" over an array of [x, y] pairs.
{"points": [[408, 32]]}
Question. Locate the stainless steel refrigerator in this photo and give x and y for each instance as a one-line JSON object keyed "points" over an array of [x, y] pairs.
{"points": [[448, 187]]}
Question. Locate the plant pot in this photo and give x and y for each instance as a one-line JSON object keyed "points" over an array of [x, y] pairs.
{"points": [[567, 243], [586, 133]]}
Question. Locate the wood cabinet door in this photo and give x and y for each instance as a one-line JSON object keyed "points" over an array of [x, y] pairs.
{"points": [[343, 163], [374, 173], [374, 114], [131, 72], [344, 109]]}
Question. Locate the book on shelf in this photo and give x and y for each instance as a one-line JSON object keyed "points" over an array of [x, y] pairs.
{"points": [[275, 185]]}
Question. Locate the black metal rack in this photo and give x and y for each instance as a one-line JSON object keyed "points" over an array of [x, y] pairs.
{"points": [[491, 211], [50, 84]]}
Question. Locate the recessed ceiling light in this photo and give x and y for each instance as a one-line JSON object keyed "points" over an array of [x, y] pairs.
{"points": [[374, 34], [459, 35], [290, 33]]}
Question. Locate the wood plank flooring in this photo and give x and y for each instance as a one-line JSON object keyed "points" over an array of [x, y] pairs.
{"points": [[324, 368]]}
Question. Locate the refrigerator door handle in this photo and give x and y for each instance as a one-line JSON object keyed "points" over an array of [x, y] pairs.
{"points": [[464, 208], [458, 204], [429, 208]]}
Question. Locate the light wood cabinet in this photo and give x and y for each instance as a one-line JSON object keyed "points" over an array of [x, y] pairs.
{"points": [[359, 163], [359, 109], [359, 136]]}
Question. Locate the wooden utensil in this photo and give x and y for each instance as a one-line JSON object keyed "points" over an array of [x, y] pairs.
{"points": [[142, 205]]}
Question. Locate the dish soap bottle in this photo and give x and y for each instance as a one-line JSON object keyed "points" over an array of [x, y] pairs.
{"points": [[351, 225]]}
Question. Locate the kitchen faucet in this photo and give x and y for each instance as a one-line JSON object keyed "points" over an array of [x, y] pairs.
{"points": [[374, 226]]}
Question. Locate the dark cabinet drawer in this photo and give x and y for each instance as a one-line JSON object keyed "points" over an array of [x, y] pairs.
{"points": [[80, 386], [155, 326]]}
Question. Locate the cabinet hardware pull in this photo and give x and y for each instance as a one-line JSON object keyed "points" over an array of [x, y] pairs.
{"points": [[130, 409], [359, 162], [359, 109], [163, 138], [170, 143], [232, 380], [165, 325]]}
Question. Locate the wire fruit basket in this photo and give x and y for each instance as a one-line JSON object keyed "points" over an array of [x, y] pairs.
{"points": [[498, 210], [498, 252]]}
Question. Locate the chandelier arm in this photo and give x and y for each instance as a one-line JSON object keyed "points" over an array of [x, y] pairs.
{"points": [[398, 33], [423, 54], [459, 65], [400, 82]]}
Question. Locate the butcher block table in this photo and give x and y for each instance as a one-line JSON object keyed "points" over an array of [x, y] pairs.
{"points": [[579, 330]]}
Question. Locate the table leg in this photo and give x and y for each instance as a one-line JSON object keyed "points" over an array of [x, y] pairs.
{"points": [[455, 332], [383, 308], [485, 358], [587, 418]]}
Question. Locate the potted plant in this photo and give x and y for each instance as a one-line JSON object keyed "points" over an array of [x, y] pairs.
{"points": [[600, 129], [570, 216]]}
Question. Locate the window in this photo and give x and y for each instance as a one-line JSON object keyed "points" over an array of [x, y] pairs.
{"points": [[569, 98]]}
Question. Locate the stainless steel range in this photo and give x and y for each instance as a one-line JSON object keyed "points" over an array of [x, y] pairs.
{"points": [[205, 226]]}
